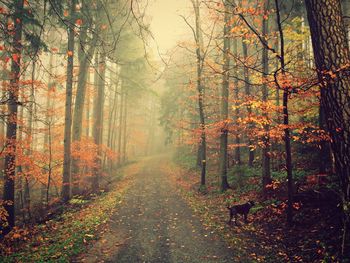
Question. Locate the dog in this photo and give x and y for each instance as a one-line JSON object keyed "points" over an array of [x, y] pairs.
{"points": [[240, 209]]}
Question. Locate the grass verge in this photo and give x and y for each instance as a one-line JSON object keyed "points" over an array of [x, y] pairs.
{"points": [[59, 240]]}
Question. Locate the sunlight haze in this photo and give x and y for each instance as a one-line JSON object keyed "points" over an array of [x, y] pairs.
{"points": [[166, 24]]}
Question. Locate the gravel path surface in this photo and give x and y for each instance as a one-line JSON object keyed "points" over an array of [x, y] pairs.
{"points": [[154, 224]]}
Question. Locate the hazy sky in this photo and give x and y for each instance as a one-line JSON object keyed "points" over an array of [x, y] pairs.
{"points": [[167, 26]]}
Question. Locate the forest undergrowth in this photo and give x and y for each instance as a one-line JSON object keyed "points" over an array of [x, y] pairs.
{"points": [[70, 233], [314, 237]]}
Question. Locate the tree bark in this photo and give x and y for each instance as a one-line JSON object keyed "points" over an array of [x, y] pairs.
{"points": [[112, 120], [200, 89], [288, 150], [84, 61], [249, 108], [98, 122], [266, 167], [122, 102], [125, 122], [11, 131], [224, 99], [332, 59], [237, 152], [66, 180]]}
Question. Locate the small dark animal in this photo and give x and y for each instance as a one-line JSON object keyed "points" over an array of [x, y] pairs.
{"points": [[240, 209]]}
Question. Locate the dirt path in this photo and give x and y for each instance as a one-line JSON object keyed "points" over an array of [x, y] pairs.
{"points": [[153, 224]]}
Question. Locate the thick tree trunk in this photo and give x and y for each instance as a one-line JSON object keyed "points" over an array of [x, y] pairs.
{"points": [[224, 99], [11, 131], [332, 59], [84, 63], [66, 180], [266, 170]]}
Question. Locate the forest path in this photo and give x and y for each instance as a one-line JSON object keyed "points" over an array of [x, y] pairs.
{"points": [[154, 224]]}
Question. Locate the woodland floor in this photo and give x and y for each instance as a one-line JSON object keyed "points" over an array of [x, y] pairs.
{"points": [[152, 212], [154, 224]]}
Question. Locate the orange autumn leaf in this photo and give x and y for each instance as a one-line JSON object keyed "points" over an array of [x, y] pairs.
{"points": [[79, 22], [15, 57]]}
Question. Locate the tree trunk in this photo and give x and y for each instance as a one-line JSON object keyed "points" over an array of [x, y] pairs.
{"points": [[84, 56], [249, 108], [20, 182], [237, 152], [31, 110], [325, 154], [266, 171], [87, 107], [3, 112], [11, 131], [346, 14], [66, 180], [224, 99], [122, 101], [113, 135], [125, 120], [332, 59], [45, 192], [289, 167], [98, 122], [112, 122], [200, 89]]}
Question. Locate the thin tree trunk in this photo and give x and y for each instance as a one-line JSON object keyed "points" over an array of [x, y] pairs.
{"points": [[48, 138], [125, 136], [87, 107], [287, 139], [98, 122], [249, 108], [224, 99], [200, 89], [20, 176], [266, 171], [49, 167], [30, 136], [112, 123], [122, 101], [44, 186], [237, 153], [66, 180], [3, 112]]}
